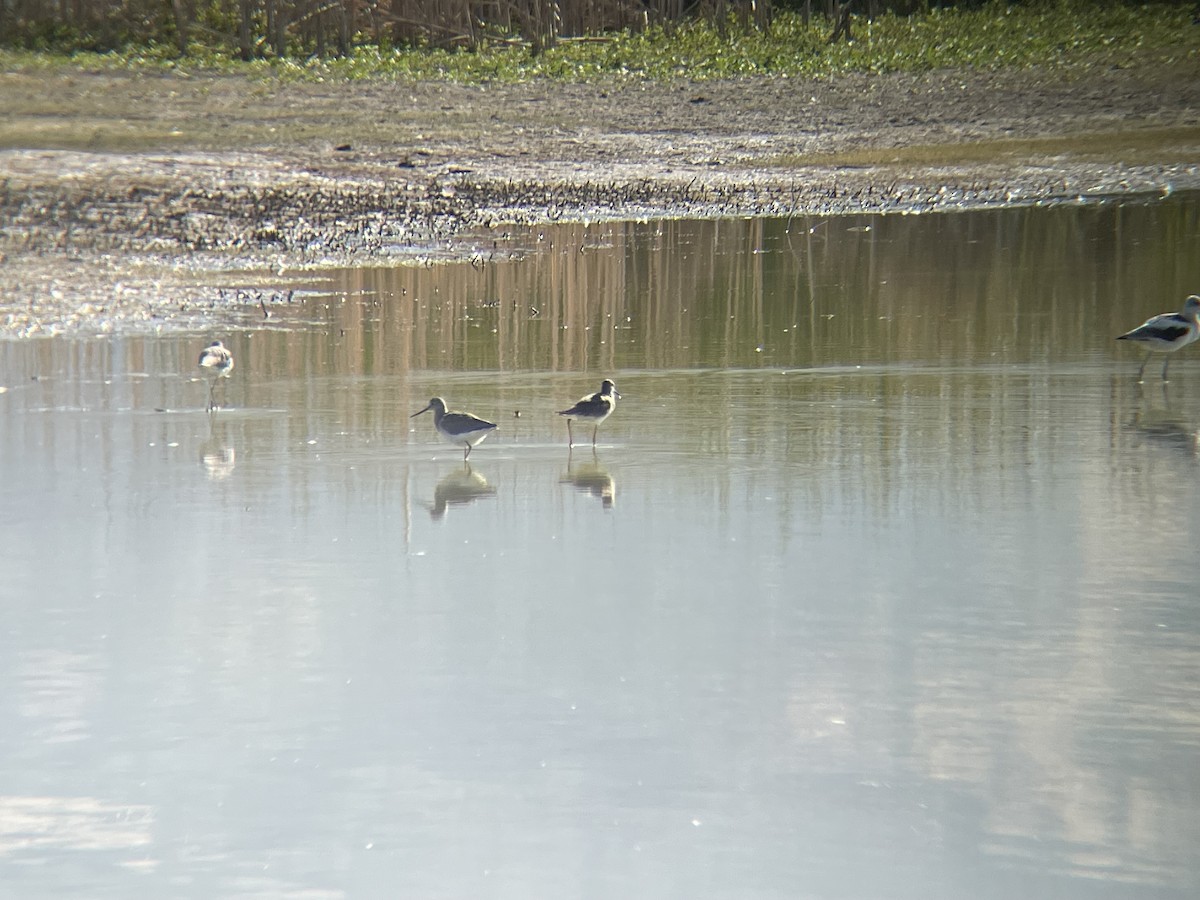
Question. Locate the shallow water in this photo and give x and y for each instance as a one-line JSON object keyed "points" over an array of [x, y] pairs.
{"points": [[880, 582]]}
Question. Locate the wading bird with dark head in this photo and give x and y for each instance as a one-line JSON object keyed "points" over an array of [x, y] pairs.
{"points": [[457, 427], [594, 408], [218, 363], [1167, 332]]}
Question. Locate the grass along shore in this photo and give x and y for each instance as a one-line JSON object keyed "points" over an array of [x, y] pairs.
{"points": [[1064, 36]]}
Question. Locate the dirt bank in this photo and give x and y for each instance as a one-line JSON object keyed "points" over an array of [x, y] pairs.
{"points": [[115, 189]]}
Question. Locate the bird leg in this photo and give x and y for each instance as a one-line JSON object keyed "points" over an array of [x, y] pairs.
{"points": [[1166, 362], [212, 395], [570, 436], [1143, 368], [468, 453], [595, 428]]}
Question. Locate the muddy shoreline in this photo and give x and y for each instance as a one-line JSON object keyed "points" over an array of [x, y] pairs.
{"points": [[118, 190]]}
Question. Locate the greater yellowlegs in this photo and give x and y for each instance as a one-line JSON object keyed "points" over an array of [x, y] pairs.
{"points": [[218, 362], [457, 427], [594, 408], [1167, 332]]}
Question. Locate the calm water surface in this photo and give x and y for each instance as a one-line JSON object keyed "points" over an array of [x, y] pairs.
{"points": [[882, 581]]}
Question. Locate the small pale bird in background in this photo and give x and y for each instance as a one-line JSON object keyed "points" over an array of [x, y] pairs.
{"points": [[1167, 332], [217, 361], [457, 427], [594, 408]]}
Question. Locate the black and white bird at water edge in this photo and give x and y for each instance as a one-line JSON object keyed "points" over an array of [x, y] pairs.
{"points": [[594, 408], [1166, 333]]}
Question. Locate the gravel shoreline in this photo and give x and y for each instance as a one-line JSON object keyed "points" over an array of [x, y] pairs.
{"points": [[114, 186]]}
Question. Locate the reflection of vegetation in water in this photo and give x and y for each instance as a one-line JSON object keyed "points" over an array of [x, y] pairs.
{"points": [[518, 40], [939, 289]]}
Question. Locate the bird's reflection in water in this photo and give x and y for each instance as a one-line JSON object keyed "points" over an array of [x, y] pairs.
{"points": [[592, 478], [217, 455], [1159, 419], [460, 487]]}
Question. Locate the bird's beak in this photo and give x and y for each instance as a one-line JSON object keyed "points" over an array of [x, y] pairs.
{"points": [[616, 393], [419, 411]]}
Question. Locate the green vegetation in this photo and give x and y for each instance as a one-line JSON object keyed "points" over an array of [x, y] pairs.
{"points": [[1062, 35]]}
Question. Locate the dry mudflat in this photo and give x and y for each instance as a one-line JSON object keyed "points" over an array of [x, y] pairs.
{"points": [[118, 190]]}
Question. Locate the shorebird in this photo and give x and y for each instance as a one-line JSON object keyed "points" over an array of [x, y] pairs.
{"points": [[457, 427], [1167, 332], [218, 361], [594, 408]]}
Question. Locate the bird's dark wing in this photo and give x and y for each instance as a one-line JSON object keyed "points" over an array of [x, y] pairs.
{"points": [[1167, 327], [591, 405], [1170, 332], [457, 421]]}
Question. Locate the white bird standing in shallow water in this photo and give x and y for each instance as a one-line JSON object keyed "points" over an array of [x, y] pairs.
{"points": [[219, 363], [594, 408], [1167, 332], [457, 427]]}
